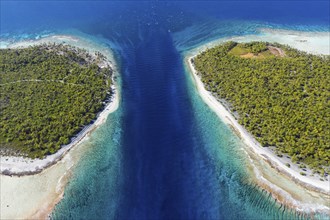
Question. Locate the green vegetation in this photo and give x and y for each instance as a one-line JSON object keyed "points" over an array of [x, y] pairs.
{"points": [[281, 98], [48, 93]]}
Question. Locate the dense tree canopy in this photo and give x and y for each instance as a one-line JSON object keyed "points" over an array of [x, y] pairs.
{"points": [[280, 95], [48, 93]]}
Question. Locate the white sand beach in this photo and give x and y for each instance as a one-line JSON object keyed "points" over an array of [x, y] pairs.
{"points": [[34, 196], [309, 42]]}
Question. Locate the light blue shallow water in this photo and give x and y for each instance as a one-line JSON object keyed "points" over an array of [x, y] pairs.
{"points": [[163, 154]]}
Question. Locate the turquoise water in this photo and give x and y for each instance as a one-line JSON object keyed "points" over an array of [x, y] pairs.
{"points": [[163, 154]]}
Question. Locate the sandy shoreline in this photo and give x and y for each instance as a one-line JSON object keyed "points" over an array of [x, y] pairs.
{"points": [[25, 196], [309, 182]]}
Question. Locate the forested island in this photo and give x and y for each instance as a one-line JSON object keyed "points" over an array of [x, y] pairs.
{"points": [[49, 93], [279, 94]]}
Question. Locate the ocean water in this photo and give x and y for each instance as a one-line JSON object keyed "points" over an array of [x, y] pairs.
{"points": [[163, 154]]}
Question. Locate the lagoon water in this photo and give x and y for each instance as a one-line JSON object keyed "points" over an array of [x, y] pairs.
{"points": [[163, 154]]}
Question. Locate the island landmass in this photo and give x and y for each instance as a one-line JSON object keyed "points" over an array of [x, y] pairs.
{"points": [[52, 95], [277, 93], [206, 63]]}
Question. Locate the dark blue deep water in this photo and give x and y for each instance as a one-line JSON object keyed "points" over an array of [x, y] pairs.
{"points": [[163, 154]]}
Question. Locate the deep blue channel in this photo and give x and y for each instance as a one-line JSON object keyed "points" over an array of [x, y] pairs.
{"points": [[161, 163]]}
